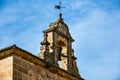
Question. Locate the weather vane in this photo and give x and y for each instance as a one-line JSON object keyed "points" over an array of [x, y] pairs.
{"points": [[59, 6]]}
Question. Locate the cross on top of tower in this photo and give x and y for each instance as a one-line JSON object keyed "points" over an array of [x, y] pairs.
{"points": [[60, 8]]}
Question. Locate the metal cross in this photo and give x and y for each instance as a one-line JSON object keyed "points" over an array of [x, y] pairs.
{"points": [[59, 6]]}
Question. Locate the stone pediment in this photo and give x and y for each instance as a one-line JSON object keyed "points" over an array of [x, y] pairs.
{"points": [[61, 28]]}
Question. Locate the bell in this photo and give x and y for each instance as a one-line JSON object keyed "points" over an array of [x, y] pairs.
{"points": [[59, 54], [59, 57]]}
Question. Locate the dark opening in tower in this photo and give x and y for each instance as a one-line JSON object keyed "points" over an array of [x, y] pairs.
{"points": [[62, 55]]}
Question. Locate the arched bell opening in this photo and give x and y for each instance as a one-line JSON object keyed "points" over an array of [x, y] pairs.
{"points": [[62, 59]]}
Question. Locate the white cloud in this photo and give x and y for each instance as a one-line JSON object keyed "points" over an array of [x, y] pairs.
{"points": [[79, 4], [97, 26], [97, 44]]}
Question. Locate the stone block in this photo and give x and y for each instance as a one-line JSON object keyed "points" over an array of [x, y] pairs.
{"points": [[17, 61], [14, 77], [1, 74], [17, 73], [22, 69], [15, 66], [24, 64], [24, 76]]}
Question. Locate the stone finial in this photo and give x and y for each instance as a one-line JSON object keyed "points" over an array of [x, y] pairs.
{"points": [[45, 42], [60, 17]]}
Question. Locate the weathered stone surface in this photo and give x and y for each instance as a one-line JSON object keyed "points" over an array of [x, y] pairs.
{"points": [[17, 61], [60, 48], [21, 65], [6, 69], [14, 77], [17, 73], [34, 72], [24, 64], [24, 76]]}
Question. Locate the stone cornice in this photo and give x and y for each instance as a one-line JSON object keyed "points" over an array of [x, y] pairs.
{"points": [[53, 29], [16, 51]]}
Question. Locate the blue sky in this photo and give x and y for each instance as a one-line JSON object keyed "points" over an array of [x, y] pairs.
{"points": [[94, 24]]}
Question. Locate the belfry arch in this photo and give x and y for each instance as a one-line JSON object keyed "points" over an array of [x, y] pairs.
{"points": [[62, 58]]}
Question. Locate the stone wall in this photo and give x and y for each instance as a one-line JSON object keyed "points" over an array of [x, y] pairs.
{"points": [[6, 68], [24, 70], [18, 64]]}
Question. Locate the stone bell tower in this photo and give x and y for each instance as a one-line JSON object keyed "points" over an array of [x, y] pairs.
{"points": [[56, 47]]}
